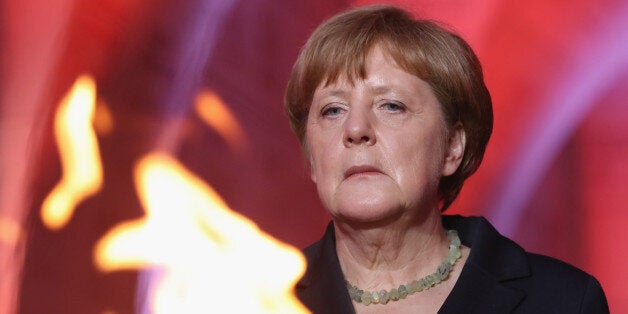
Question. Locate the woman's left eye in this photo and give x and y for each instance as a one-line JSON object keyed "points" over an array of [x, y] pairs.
{"points": [[392, 106]]}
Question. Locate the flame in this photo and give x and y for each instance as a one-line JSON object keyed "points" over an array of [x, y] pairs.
{"points": [[213, 111], [78, 148], [211, 258]]}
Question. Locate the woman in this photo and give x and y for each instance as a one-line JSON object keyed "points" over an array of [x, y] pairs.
{"points": [[393, 115]]}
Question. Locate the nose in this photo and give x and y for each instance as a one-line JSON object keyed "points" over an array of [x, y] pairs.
{"points": [[358, 128]]}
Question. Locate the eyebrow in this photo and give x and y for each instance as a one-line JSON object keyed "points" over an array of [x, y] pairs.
{"points": [[381, 89], [335, 92]]}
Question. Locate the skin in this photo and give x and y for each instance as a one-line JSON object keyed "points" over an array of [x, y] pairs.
{"points": [[378, 147]]}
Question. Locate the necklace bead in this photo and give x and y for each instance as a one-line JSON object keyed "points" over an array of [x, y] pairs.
{"points": [[395, 294]]}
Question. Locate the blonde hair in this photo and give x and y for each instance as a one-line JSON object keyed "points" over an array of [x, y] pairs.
{"points": [[423, 48]]}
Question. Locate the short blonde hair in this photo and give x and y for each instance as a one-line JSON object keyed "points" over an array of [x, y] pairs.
{"points": [[420, 47]]}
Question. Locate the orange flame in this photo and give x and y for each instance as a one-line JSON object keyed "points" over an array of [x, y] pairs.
{"points": [[212, 110], [80, 156], [213, 258]]}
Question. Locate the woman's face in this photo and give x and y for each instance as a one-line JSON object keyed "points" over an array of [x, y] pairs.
{"points": [[378, 147]]}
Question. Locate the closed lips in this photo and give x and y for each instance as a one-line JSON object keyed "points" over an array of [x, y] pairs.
{"points": [[356, 170]]}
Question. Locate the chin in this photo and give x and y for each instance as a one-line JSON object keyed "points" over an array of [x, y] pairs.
{"points": [[371, 213]]}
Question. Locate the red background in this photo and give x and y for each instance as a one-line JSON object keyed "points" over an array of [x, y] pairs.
{"points": [[554, 177]]}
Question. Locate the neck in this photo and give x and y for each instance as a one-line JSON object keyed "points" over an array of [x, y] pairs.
{"points": [[384, 255]]}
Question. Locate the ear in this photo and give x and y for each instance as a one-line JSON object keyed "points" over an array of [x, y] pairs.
{"points": [[454, 150]]}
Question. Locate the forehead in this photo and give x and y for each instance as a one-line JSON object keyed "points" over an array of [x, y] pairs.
{"points": [[349, 66], [349, 73], [381, 74]]}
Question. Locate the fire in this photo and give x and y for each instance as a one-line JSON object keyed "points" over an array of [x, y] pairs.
{"points": [[80, 157], [211, 258], [212, 110]]}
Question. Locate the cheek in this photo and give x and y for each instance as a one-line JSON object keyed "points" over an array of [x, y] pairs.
{"points": [[312, 168], [310, 153], [324, 169], [420, 164], [320, 146], [319, 163]]}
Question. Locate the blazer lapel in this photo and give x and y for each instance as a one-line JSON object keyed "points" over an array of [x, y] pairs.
{"points": [[478, 292], [494, 260]]}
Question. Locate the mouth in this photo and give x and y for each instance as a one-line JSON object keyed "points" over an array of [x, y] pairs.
{"points": [[361, 171]]}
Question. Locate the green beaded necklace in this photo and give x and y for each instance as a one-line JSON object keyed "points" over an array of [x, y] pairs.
{"points": [[383, 296]]}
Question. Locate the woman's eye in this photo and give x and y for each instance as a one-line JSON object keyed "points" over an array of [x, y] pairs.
{"points": [[391, 106], [332, 111]]}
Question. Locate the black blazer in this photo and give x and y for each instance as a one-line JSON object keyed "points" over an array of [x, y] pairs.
{"points": [[498, 277]]}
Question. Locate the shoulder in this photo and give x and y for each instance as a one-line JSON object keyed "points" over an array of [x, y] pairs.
{"points": [[555, 269], [559, 284], [545, 284]]}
